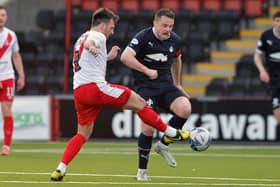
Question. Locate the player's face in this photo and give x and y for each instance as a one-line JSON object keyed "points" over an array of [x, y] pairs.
{"points": [[3, 17], [109, 28], [276, 23], [163, 27]]}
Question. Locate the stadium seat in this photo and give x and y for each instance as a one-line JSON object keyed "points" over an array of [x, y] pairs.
{"points": [[143, 19], [174, 4], [89, 5], [215, 5], [111, 4], [227, 25], [237, 90], [205, 22], [76, 3], [197, 47], [217, 87], [253, 8], [233, 5], [182, 28], [45, 19], [132, 5], [193, 5], [150, 4]]}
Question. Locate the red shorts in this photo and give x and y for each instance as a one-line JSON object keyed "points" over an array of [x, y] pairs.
{"points": [[90, 98], [7, 92]]}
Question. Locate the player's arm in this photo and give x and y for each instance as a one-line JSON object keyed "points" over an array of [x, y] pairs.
{"points": [[113, 53], [128, 58], [258, 56], [17, 60], [176, 70], [91, 46]]}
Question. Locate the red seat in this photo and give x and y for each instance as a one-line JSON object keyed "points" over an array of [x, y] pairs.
{"points": [[132, 5], [111, 4], [89, 5], [233, 5], [215, 5], [76, 3], [173, 4], [253, 8], [150, 4], [193, 5]]}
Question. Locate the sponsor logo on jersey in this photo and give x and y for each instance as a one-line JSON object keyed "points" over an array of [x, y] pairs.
{"points": [[157, 57], [269, 42]]}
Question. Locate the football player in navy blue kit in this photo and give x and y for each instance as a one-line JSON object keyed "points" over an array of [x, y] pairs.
{"points": [[154, 55], [269, 48]]}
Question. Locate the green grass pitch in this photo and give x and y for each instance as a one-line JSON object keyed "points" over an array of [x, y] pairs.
{"points": [[114, 164]]}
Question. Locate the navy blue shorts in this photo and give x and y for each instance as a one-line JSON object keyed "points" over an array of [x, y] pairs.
{"points": [[275, 96], [162, 97]]}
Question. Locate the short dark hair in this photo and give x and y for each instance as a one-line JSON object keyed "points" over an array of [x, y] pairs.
{"points": [[276, 14], [103, 15], [164, 12], [3, 7]]}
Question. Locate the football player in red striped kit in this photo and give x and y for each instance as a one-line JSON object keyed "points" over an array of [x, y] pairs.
{"points": [[9, 55]]}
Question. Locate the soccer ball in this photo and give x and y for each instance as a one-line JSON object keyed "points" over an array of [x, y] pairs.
{"points": [[199, 139]]}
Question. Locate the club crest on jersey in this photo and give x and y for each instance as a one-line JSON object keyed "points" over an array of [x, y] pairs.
{"points": [[171, 49], [134, 41]]}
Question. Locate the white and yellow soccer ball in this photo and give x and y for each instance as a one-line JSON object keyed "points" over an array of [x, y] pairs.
{"points": [[200, 139]]}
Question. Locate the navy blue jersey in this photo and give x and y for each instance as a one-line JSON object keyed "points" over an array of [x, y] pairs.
{"points": [[269, 44], [155, 54]]}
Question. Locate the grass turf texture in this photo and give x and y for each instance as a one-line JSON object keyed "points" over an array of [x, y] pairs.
{"points": [[115, 163]]}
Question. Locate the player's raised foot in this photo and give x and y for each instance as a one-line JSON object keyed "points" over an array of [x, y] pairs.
{"points": [[142, 175], [181, 136], [57, 175], [163, 150], [5, 151]]}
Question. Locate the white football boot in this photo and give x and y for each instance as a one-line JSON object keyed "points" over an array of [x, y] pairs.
{"points": [[163, 150], [142, 175]]}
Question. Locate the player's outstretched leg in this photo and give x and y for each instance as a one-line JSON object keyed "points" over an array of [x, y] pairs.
{"points": [[163, 149], [57, 175]]}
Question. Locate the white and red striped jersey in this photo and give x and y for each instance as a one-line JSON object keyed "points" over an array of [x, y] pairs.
{"points": [[88, 68], [8, 45]]}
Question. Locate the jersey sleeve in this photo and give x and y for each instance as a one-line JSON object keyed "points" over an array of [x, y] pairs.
{"points": [[261, 46], [137, 41], [178, 45], [15, 45]]}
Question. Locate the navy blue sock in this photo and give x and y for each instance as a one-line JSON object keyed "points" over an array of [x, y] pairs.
{"points": [[144, 147], [175, 122]]}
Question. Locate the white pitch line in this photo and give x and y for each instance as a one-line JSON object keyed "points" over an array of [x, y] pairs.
{"points": [[106, 152], [140, 183], [133, 176]]}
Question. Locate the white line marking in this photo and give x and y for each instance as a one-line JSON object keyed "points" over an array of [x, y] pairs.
{"points": [[139, 183], [119, 152], [133, 176]]}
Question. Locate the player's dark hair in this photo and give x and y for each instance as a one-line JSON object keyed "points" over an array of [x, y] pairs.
{"points": [[103, 15], [164, 12], [276, 14], [3, 7]]}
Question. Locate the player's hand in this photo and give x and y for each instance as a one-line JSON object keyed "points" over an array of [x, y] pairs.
{"points": [[20, 84], [264, 76], [94, 51], [151, 73], [113, 52]]}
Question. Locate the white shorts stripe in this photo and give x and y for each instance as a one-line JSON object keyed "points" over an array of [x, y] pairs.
{"points": [[108, 90]]}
